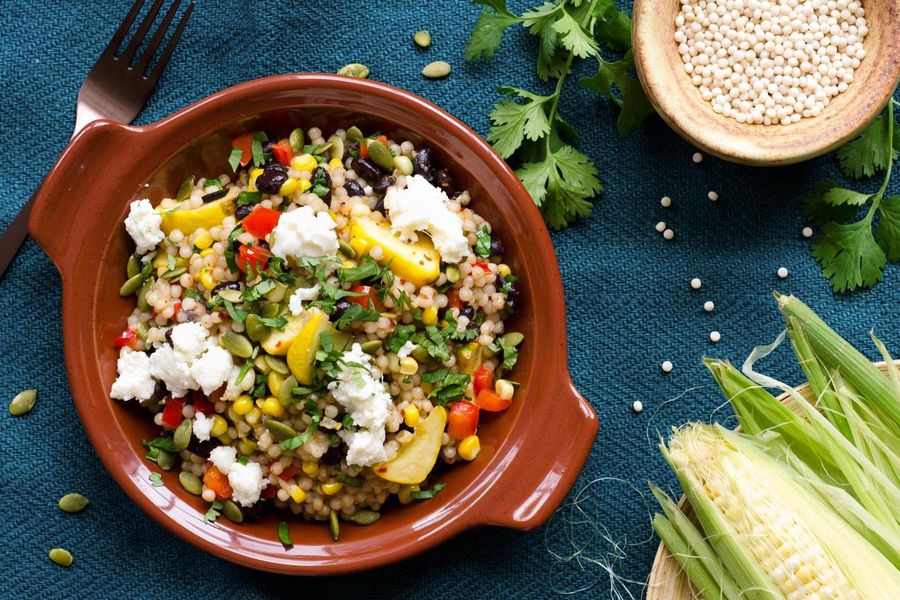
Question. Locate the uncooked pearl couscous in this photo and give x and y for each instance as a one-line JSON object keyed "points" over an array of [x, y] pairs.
{"points": [[770, 61]]}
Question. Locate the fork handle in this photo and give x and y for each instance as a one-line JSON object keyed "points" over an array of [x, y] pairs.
{"points": [[15, 235]]}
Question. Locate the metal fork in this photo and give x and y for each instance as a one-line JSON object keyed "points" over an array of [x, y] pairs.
{"points": [[116, 88]]}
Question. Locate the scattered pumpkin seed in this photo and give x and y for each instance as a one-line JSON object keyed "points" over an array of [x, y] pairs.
{"points": [[323, 148], [346, 249], [237, 344], [62, 557], [182, 436], [232, 512], [436, 70], [422, 39], [354, 133], [365, 517], [276, 294], [403, 164], [371, 347], [277, 365], [270, 311], [73, 503], [452, 273], [257, 331], [334, 525], [142, 330], [23, 403], [285, 393], [280, 430], [380, 155], [337, 147], [174, 274], [233, 296], [421, 354], [142, 303], [190, 482], [134, 266], [260, 361], [166, 460], [358, 70], [131, 285], [185, 189], [513, 338], [296, 141]]}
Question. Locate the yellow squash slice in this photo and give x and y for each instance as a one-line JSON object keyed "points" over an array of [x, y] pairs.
{"points": [[418, 262], [278, 342], [302, 353], [415, 460], [188, 220]]}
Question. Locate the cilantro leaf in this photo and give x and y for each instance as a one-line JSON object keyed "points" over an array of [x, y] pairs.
{"points": [[514, 121], [357, 313], [295, 442], [248, 198], [613, 27], [483, 242], [573, 37], [398, 339], [561, 185], [367, 268], [614, 81], [888, 230], [838, 196], [487, 34], [214, 511], [849, 255], [871, 152], [818, 210], [234, 159]]}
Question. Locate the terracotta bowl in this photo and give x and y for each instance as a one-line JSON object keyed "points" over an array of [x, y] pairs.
{"points": [[530, 455], [678, 101]]}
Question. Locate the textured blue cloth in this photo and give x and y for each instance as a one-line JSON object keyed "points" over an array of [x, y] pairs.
{"points": [[630, 305]]}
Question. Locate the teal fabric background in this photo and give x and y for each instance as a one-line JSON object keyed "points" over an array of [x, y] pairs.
{"points": [[629, 302]]}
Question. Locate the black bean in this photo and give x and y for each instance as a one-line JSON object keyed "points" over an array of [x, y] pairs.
{"points": [[379, 206], [423, 163], [497, 247], [331, 456], [340, 307], [468, 312], [512, 298], [353, 188], [381, 186], [272, 178], [262, 243], [351, 149], [267, 147], [445, 181], [366, 169], [226, 285], [214, 195], [203, 449], [242, 211]]}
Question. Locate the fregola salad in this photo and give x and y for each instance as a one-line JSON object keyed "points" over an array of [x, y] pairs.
{"points": [[315, 330]]}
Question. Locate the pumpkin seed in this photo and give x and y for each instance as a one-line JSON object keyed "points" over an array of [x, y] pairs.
{"points": [[452, 273], [190, 482], [23, 403], [365, 517], [380, 155], [237, 344], [296, 140], [277, 365], [233, 296], [142, 303], [134, 266], [371, 347], [337, 147], [358, 70], [260, 361], [420, 354], [346, 249], [403, 164], [142, 330], [232, 511], [280, 430], [323, 148], [513, 338], [62, 557], [182, 436], [174, 274], [185, 189], [270, 311], [334, 525], [131, 285], [276, 294], [285, 393], [256, 329], [166, 460], [73, 503], [422, 39], [354, 133], [436, 70]]}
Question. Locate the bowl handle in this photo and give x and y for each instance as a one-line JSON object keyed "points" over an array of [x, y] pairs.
{"points": [[541, 475], [60, 223]]}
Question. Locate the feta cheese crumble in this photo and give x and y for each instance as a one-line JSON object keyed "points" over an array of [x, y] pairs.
{"points": [[302, 232], [247, 481], [202, 426], [235, 388], [212, 369], [406, 349], [295, 302], [423, 207], [166, 366], [134, 380], [143, 224], [188, 340]]}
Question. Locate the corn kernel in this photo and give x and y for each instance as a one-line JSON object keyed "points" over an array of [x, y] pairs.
{"points": [[254, 173], [410, 415], [275, 382], [408, 365], [331, 488], [252, 416], [303, 184], [272, 407], [243, 405], [334, 163], [206, 278], [404, 495], [289, 187], [246, 446], [304, 162], [503, 269], [225, 439], [469, 448], [203, 240], [504, 389], [297, 494], [310, 467], [219, 426], [429, 315], [207, 252]]}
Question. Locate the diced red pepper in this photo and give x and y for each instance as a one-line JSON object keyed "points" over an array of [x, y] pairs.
{"points": [[261, 221], [176, 308], [383, 139], [483, 266], [462, 420], [364, 149], [172, 412], [483, 379], [217, 481], [490, 401], [368, 294], [282, 152], [453, 300], [269, 491], [128, 338], [202, 404], [244, 143], [288, 473], [256, 256]]}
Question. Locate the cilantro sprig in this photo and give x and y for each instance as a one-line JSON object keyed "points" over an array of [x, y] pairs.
{"points": [[528, 128], [851, 254]]}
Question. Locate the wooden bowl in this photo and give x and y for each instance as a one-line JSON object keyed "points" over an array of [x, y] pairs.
{"points": [[667, 581], [678, 101]]}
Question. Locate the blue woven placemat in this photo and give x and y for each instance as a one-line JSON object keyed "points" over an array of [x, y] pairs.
{"points": [[629, 303]]}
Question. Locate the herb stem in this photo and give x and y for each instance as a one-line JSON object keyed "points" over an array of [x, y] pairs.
{"points": [[879, 196]]}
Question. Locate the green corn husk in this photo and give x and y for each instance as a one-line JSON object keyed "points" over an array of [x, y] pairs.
{"points": [[681, 552]]}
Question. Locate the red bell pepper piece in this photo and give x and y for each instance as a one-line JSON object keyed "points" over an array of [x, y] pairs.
{"points": [[172, 412], [453, 300], [288, 473], [217, 481], [244, 143], [269, 491], [483, 379], [462, 420], [261, 221], [202, 404], [363, 149], [368, 294], [256, 256], [176, 308], [490, 401], [127, 339], [482, 265], [282, 152]]}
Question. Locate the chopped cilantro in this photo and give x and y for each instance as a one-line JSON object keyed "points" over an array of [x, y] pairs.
{"points": [[357, 313], [483, 242], [229, 248], [428, 494], [210, 182], [257, 291], [247, 198], [156, 479], [213, 513], [236, 314], [367, 269], [313, 410], [243, 459], [398, 339], [275, 322], [234, 159], [194, 295], [351, 481]]}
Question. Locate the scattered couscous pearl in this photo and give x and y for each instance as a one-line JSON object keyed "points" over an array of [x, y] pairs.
{"points": [[708, 306], [669, 234], [208, 495], [637, 406], [696, 283], [661, 226], [713, 196], [715, 336], [807, 232], [697, 158], [666, 366], [782, 272], [666, 202]]}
